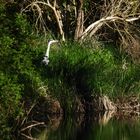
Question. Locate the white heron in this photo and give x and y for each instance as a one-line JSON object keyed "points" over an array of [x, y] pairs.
{"points": [[46, 57]]}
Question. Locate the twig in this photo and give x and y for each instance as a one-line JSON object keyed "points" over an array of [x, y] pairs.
{"points": [[28, 137], [57, 13], [28, 114], [32, 125]]}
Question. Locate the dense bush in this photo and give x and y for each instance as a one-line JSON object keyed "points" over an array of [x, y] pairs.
{"points": [[18, 76]]}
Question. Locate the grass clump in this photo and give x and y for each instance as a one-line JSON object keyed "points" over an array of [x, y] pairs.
{"points": [[84, 71]]}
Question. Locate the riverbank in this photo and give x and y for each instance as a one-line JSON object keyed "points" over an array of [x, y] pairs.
{"points": [[78, 79], [45, 106], [39, 119], [47, 109]]}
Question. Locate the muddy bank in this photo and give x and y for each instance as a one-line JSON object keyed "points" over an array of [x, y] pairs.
{"points": [[50, 106], [104, 103]]}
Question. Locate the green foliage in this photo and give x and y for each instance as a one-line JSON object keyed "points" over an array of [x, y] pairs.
{"points": [[93, 71], [19, 78], [10, 94]]}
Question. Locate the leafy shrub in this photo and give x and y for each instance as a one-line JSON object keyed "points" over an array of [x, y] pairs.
{"points": [[19, 78], [93, 71]]}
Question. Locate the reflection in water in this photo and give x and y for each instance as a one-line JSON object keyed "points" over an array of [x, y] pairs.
{"points": [[103, 126], [103, 120]]}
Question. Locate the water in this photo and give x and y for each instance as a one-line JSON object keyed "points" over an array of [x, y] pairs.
{"points": [[91, 127]]}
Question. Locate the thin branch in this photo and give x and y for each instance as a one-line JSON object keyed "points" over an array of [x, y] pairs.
{"points": [[132, 19], [32, 125], [27, 114], [57, 16], [27, 137], [56, 13]]}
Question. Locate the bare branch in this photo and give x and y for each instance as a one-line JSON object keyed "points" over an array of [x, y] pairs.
{"points": [[57, 16], [32, 125], [27, 137], [57, 13], [132, 19], [94, 27]]}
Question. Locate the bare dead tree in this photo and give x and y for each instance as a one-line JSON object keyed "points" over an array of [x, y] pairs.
{"points": [[119, 15], [36, 6], [123, 14]]}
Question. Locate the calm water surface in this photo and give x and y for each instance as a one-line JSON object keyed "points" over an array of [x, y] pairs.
{"points": [[93, 127]]}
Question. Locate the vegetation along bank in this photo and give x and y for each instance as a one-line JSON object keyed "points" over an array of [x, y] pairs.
{"points": [[94, 65]]}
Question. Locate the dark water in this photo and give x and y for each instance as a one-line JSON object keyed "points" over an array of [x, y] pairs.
{"points": [[92, 127]]}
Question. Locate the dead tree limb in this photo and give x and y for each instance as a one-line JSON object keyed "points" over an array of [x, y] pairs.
{"points": [[94, 27], [54, 8]]}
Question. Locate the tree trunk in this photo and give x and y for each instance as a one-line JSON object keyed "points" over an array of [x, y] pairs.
{"points": [[67, 19], [79, 20]]}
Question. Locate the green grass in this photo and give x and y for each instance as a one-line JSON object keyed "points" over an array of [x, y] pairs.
{"points": [[79, 70]]}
